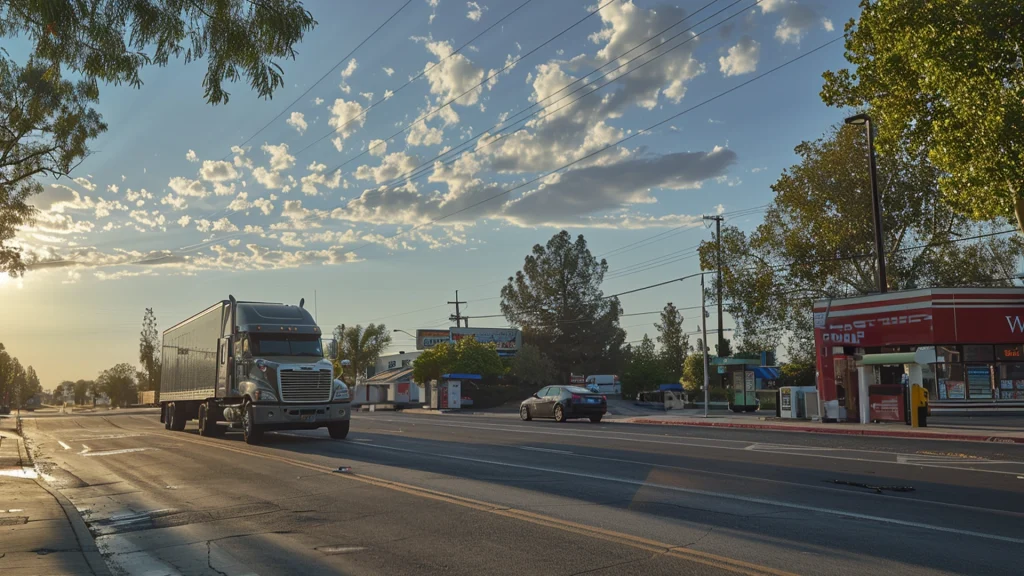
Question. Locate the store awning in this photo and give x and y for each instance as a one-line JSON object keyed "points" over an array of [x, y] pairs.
{"points": [[766, 372], [891, 358], [677, 387]]}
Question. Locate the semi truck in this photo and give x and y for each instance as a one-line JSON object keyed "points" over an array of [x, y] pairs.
{"points": [[256, 366]]}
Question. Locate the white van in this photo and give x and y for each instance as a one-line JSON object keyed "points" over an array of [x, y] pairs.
{"points": [[607, 383]]}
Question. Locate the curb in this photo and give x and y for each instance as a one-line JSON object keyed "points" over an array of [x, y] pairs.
{"points": [[85, 540], [839, 431]]}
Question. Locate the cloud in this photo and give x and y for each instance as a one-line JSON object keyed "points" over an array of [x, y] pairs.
{"points": [[377, 147], [73, 277], [602, 188], [240, 202], [191, 156], [475, 11], [59, 197], [138, 196], [264, 205], [453, 75], [175, 202], [154, 220], [317, 176], [224, 225], [270, 180], [297, 120], [184, 220], [241, 160], [797, 19], [280, 159], [742, 58], [392, 166], [291, 239], [318, 101], [346, 73], [85, 183], [218, 171], [420, 134], [299, 218], [346, 118], [389, 71], [186, 187], [827, 24]]}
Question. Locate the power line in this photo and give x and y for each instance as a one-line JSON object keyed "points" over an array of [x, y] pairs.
{"points": [[326, 74], [411, 80]]}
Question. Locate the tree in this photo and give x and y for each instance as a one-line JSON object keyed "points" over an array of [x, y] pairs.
{"points": [[532, 367], [95, 389], [645, 371], [17, 382], [30, 386], [47, 121], [149, 352], [947, 78], [81, 390], [361, 347], [817, 241], [693, 373], [556, 300], [472, 357], [119, 384], [797, 374], [432, 363], [675, 344], [6, 375]]}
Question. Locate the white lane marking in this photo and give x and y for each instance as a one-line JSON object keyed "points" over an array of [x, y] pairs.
{"points": [[726, 496], [544, 450], [115, 452], [791, 451], [63, 445], [20, 472], [85, 449]]}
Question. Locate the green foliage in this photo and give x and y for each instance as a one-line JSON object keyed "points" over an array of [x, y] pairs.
{"points": [[693, 373], [112, 40], [945, 77], [119, 384], [725, 350], [556, 300], [149, 352], [467, 356], [797, 374], [816, 241], [81, 390], [532, 367], [360, 346], [675, 344], [45, 123], [31, 386], [6, 375], [645, 371]]}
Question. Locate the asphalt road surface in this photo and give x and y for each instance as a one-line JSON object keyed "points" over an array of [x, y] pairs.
{"points": [[428, 494]]}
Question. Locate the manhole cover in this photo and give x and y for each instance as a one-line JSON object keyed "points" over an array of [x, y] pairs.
{"points": [[13, 520]]}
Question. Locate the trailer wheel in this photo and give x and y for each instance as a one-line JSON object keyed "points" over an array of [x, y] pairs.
{"points": [[251, 431], [178, 418], [165, 415], [338, 430]]}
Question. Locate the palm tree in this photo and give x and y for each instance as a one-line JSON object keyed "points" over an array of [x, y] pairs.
{"points": [[360, 346]]}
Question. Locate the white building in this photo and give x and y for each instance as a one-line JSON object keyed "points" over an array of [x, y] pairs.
{"points": [[392, 361]]}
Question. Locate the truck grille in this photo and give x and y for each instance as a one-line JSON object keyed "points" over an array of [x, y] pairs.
{"points": [[306, 385]]}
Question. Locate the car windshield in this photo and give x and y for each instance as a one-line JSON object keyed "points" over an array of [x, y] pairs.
{"points": [[578, 390], [293, 345]]}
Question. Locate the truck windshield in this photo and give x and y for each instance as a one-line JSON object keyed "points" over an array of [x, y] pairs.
{"points": [[281, 345]]}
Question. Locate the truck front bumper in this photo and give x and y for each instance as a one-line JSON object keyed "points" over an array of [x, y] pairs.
{"points": [[299, 416]]}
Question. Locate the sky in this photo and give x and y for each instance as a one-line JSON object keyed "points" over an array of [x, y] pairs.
{"points": [[419, 167]]}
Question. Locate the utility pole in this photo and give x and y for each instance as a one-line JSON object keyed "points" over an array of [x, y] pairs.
{"points": [[704, 344], [457, 317], [718, 239]]}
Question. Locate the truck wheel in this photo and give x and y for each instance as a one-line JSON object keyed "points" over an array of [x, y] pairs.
{"points": [[251, 431], [177, 417], [208, 421], [338, 430], [166, 416]]}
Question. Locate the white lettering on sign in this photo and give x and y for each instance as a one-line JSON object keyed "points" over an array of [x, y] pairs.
{"points": [[853, 332], [1015, 324]]}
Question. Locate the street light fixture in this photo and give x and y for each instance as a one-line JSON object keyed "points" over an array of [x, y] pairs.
{"points": [[403, 332], [876, 204]]}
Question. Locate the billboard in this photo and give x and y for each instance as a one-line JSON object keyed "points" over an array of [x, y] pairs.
{"points": [[507, 340], [429, 338]]}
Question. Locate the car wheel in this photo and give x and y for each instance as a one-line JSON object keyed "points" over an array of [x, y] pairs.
{"points": [[524, 413], [596, 419], [251, 432], [559, 413], [338, 430]]}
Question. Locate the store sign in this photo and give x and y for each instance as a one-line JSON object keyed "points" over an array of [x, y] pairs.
{"points": [[577, 379], [426, 339], [1010, 352], [507, 340], [886, 408]]}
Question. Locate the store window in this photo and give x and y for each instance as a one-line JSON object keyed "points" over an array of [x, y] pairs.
{"points": [[979, 381], [951, 382], [976, 353], [1010, 380]]}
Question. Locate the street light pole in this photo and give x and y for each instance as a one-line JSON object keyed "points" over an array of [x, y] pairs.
{"points": [[876, 203], [704, 344]]}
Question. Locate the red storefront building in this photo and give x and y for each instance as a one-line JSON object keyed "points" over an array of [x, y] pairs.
{"points": [[967, 346]]}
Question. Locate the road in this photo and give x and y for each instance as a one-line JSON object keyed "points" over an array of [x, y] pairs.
{"points": [[429, 494]]}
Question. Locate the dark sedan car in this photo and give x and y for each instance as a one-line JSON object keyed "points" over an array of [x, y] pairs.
{"points": [[564, 402]]}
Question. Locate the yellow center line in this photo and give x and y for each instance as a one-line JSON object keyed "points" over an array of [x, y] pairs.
{"points": [[637, 542]]}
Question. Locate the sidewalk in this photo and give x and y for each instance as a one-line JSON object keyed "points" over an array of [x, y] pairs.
{"points": [[40, 530], [979, 433]]}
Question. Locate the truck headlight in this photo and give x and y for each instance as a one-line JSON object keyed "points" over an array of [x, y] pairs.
{"points": [[261, 395], [340, 390]]}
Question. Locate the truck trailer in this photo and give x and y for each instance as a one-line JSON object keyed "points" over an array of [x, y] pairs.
{"points": [[254, 365]]}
